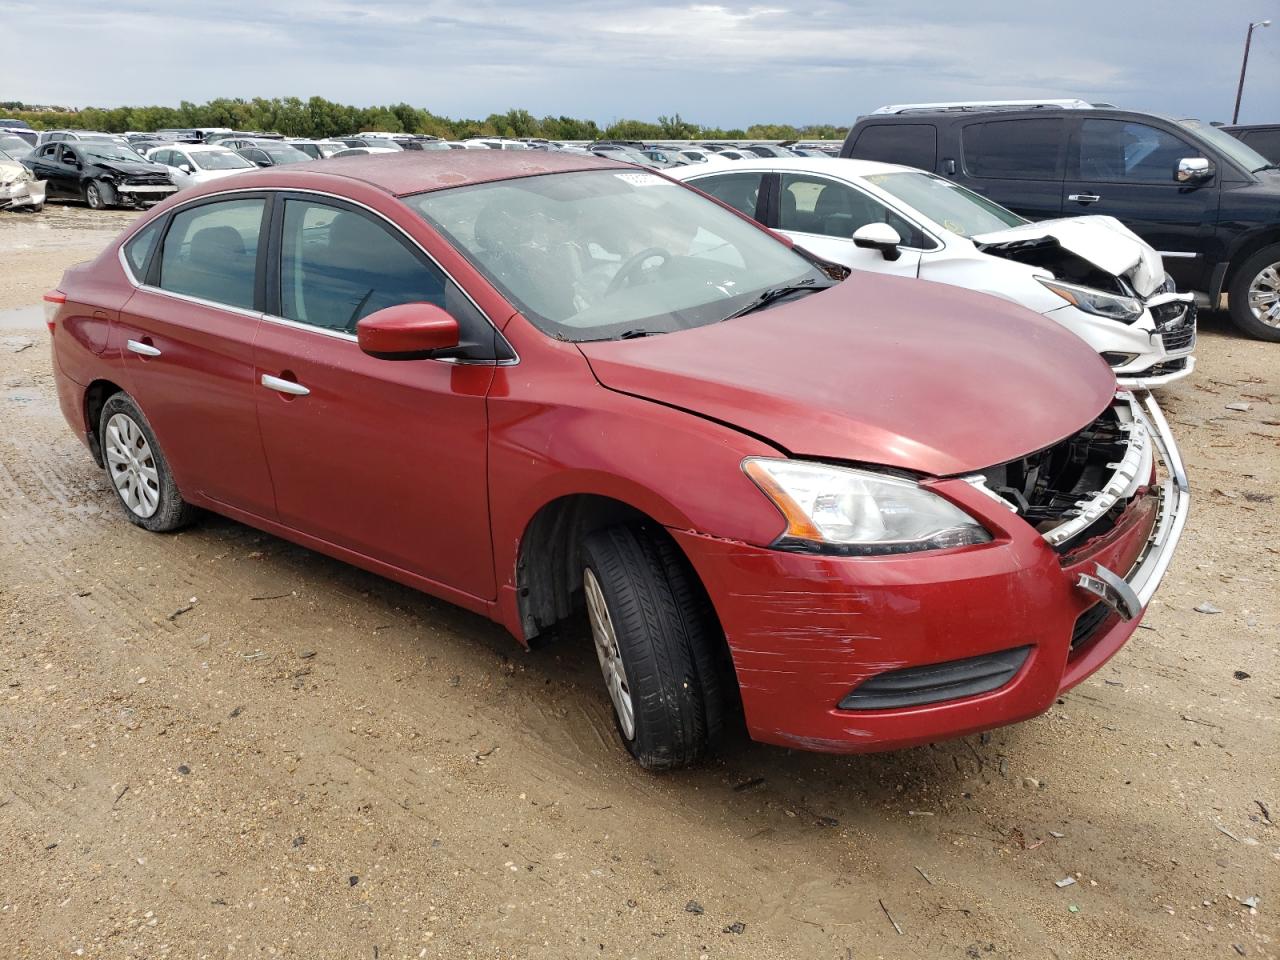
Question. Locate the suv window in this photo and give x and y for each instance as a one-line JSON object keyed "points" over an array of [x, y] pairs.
{"points": [[738, 190], [1121, 150], [338, 265], [211, 251], [811, 204], [1028, 149], [912, 144]]}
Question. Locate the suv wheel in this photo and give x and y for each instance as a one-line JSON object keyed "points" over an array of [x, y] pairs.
{"points": [[138, 470], [1254, 295], [656, 641]]}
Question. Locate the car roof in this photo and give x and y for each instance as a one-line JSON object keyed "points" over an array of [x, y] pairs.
{"points": [[406, 172], [832, 166]]}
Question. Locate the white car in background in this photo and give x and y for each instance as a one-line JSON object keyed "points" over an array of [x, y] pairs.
{"points": [[1090, 274], [192, 164]]}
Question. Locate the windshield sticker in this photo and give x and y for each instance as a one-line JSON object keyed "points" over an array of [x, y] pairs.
{"points": [[640, 179]]}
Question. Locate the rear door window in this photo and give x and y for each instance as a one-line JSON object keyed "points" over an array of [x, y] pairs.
{"points": [[211, 252], [911, 144], [1030, 149], [739, 190], [1121, 151]]}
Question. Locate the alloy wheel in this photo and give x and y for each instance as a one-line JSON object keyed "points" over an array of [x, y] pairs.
{"points": [[132, 465], [1264, 295], [606, 640], [93, 196]]}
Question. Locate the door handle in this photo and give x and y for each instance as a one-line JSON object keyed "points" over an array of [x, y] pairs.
{"points": [[142, 349], [291, 387], [1084, 197]]}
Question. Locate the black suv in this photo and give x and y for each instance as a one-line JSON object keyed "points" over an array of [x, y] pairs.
{"points": [[1208, 202], [1263, 137]]}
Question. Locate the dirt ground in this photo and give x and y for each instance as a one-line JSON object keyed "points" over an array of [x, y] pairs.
{"points": [[219, 744]]}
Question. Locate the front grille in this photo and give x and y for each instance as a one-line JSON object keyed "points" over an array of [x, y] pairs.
{"points": [[146, 179], [915, 686], [1176, 324], [1160, 369], [1088, 625], [1079, 487]]}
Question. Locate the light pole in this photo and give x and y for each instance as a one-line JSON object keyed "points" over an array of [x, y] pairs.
{"points": [[1244, 65]]}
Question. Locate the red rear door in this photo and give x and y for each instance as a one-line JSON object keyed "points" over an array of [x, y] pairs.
{"points": [[384, 458], [186, 341]]}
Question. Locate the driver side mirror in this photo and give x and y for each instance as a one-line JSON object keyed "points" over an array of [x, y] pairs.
{"points": [[1194, 170], [879, 236], [184, 167], [407, 331]]}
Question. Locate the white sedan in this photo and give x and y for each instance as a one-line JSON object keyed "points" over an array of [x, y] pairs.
{"points": [[1090, 274], [195, 163]]}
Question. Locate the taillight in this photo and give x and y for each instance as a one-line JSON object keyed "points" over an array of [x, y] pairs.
{"points": [[52, 301]]}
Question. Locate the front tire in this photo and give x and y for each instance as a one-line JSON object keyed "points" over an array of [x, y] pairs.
{"points": [[656, 641], [137, 469], [95, 195], [1254, 295]]}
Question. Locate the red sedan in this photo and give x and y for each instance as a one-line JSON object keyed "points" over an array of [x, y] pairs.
{"points": [[873, 513]]}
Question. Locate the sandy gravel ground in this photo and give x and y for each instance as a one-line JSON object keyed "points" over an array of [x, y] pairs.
{"points": [[219, 744]]}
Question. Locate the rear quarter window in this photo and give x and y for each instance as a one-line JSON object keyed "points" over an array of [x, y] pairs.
{"points": [[910, 144], [1030, 149], [137, 250]]}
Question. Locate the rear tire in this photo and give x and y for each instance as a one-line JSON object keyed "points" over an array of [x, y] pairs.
{"points": [[656, 640], [1256, 285], [137, 469]]}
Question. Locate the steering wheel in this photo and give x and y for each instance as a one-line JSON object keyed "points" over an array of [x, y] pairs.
{"points": [[634, 265]]}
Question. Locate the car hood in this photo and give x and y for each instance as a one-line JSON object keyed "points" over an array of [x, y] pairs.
{"points": [[1104, 242], [11, 169], [879, 370], [128, 168]]}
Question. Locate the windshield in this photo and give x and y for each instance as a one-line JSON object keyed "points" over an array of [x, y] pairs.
{"points": [[289, 155], [110, 151], [947, 204], [15, 147], [597, 254], [219, 160], [1237, 150]]}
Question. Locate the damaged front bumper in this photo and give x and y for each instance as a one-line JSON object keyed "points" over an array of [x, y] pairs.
{"points": [[23, 193], [858, 654]]}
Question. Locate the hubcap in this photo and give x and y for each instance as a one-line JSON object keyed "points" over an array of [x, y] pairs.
{"points": [[132, 465], [615, 674], [1264, 295]]}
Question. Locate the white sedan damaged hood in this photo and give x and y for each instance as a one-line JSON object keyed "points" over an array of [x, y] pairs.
{"points": [[1103, 241]]}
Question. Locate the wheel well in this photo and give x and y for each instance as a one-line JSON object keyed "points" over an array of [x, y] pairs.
{"points": [[1246, 251], [95, 398], [549, 564]]}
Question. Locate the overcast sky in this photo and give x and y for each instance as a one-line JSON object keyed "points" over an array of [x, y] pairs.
{"points": [[724, 64]]}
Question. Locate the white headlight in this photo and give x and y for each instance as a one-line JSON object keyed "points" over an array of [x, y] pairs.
{"points": [[1101, 304], [841, 510]]}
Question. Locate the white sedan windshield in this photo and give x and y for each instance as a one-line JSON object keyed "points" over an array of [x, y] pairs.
{"points": [[220, 160], [947, 204], [602, 254]]}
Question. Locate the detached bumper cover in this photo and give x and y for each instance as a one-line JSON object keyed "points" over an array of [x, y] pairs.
{"points": [[807, 631], [25, 193]]}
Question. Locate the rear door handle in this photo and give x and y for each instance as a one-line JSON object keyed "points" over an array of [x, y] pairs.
{"points": [[291, 387], [142, 349], [1084, 197]]}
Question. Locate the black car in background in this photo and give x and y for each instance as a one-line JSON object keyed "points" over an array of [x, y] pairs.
{"points": [[100, 173], [266, 154], [1207, 201], [1263, 137]]}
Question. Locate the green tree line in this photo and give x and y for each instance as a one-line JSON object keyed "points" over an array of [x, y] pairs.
{"points": [[318, 118]]}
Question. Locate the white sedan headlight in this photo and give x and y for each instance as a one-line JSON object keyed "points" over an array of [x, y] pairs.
{"points": [[1113, 306], [855, 512]]}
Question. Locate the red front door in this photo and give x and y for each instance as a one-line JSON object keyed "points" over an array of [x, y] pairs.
{"points": [[385, 458]]}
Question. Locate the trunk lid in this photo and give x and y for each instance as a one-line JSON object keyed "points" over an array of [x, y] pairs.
{"points": [[880, 370]]}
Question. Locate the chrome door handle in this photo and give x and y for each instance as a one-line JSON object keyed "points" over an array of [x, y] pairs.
{"points": [[142, 349], [284, 386], [1084, 197]]}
